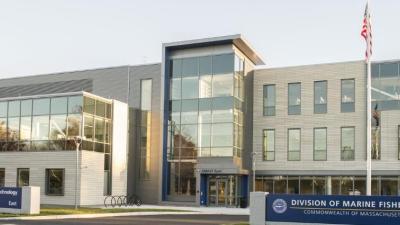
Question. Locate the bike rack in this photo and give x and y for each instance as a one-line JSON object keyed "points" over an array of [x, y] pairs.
{"points": [[121, 201]]}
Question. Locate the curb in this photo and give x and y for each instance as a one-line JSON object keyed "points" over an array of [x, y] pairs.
{"points": [[88, 216]]}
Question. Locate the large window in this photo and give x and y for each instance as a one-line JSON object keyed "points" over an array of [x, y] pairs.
{"points": [[41, 106], [292, 184], [205, 101], [55, 182], [294, 144], [222, 85], [13, 125], [320, 96], [317, 185], [269, 100], [190, 87], [145, 128], [294, 101], [269, 145], [347, 143], [22, 177], [320, 144], [348, 95], [58, 132], [37, 124], [145, 94], [2, 177], [386, 85]]}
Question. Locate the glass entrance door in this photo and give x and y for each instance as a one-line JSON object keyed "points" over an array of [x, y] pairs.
{"points": [[222, 191]]}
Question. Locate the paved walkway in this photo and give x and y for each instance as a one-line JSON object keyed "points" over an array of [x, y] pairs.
{"points": [[206, 210]]}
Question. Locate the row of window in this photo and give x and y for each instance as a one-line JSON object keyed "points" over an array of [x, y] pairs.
{"points": [[55, 106], [320, 97], [54, 183], [52, 123], [320, 144], [318, 185], [207, 76]]}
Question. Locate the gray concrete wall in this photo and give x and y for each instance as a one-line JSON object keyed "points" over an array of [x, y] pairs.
{"points": [[147, 189]]}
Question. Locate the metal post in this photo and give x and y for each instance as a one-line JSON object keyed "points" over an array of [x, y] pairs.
{"points": [[369, 128], [77, 144], [254, 170], [369, 110]]}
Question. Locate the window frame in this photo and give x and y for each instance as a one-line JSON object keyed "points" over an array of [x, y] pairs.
{"points": [[341, 95], [398, 140], [18, 175], [47, 170], [264, 150], [326, 143], [326, 94], [288, 99], [265, 91], [341, 143], [288, 144], [3, 183]]}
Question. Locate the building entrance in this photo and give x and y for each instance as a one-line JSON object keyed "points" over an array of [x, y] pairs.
{"points": [[222, 191]]}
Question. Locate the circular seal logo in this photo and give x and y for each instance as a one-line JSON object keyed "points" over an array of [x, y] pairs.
{"points": [[279, 206]]}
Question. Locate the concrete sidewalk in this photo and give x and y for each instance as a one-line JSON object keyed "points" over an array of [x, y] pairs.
{"points": [[193, 211], [210, 210]]}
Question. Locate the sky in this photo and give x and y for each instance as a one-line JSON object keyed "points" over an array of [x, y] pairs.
{"points": [[47, 36]]}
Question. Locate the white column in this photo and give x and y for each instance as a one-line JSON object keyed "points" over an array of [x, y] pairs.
{"points": [[329, 185], [257, 208]]}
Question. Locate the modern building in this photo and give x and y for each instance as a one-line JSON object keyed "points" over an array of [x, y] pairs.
{"points": [[186, 130]]}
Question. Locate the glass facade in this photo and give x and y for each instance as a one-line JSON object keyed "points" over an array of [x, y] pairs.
{"points": [[145, 128], [50, 124], [386, 86], [205, 116], [320, 96], [318, 185], [32, 125], [385, 96]]}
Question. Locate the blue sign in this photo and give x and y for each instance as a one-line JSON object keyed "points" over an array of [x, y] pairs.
{"points": [[10, 198], [334, 209]]}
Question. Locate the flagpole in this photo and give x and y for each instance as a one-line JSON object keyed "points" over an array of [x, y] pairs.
{"points": [[369, 129], [369, 112]]}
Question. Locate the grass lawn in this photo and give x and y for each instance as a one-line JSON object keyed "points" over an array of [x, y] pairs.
{"points": [[69, 211]]}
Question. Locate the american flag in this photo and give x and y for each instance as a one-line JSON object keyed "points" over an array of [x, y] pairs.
{"points": [[366, 32]]}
